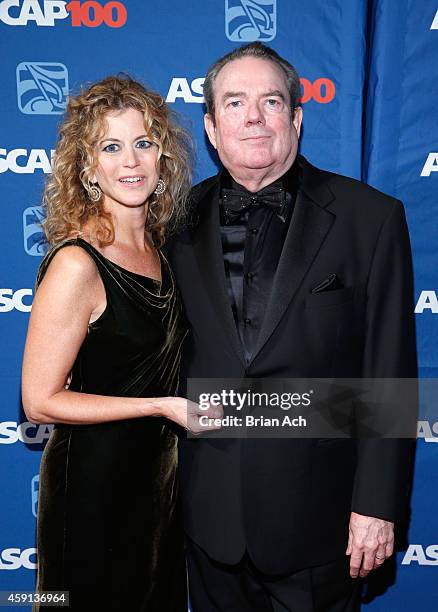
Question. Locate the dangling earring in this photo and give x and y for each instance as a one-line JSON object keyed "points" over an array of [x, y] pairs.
{"points": [[94, 193], [160, 188]]}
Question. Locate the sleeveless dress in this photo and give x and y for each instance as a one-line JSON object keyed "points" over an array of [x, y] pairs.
{"points": [[109, 528]]}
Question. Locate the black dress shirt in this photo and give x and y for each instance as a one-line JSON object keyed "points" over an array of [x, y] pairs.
{"points": [[252, 246]]}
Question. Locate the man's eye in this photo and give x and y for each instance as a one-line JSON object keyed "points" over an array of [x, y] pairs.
{"points": [[111, 148], [273, 102], [143, 144], [235, 103]]}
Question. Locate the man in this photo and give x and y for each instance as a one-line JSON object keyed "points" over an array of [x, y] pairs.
{"points": [[288, 271]]}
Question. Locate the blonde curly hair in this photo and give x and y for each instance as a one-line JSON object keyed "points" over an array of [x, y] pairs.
{"points": [[67, 201]]}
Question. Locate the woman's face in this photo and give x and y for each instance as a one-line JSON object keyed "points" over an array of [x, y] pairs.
{"points": [[127, 170]]}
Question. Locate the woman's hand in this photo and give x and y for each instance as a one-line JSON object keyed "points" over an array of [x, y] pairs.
{"points": [[187, 413]]}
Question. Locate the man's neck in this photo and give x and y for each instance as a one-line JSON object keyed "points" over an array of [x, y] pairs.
{"points": [[254, 180]]}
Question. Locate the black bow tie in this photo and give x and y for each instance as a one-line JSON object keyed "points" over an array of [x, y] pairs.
{"points": [[237, 201]]}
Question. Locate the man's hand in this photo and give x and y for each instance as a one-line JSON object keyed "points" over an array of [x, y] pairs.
{"points": [[370, 542]]}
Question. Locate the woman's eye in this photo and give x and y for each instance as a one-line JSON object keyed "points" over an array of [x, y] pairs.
{"points": [[111, 148], [143, 144]]}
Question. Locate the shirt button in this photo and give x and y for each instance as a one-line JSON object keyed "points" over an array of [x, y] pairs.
{"points": [[247, 321], [254, 231], [250, 276]]}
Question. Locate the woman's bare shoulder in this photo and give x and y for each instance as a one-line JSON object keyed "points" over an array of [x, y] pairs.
{"points": [[73, 264]]}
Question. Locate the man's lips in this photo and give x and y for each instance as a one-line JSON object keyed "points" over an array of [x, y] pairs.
{"points": [[258, 137]]}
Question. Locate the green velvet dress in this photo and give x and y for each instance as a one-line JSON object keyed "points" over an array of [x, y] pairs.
{"points": [[109, 525]]}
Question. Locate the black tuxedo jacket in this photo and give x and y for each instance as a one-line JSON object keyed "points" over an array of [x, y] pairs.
{"points": [[287, 502]]}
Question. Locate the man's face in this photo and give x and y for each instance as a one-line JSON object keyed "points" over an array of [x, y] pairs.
{"points": [[253, 130]]}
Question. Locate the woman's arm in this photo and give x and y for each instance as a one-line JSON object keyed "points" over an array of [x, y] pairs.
{"points": [[70, 295]]}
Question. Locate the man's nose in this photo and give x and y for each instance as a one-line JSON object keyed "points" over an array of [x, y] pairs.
{"points": [[254, 114]]}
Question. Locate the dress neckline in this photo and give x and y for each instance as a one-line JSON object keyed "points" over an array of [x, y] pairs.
{"points": [[113, 263]]}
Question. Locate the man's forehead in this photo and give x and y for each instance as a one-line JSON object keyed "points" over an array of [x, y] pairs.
{"points": [[251, 73]]}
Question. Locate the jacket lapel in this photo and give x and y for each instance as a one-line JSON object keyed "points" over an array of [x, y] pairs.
{"points": [[210, 260], [308, 229]]}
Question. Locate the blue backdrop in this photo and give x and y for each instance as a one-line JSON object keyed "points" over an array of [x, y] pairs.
{"points": [[370, 80]]}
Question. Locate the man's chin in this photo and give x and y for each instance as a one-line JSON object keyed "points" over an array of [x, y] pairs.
{"points": [[251, 164], [259, 163]]}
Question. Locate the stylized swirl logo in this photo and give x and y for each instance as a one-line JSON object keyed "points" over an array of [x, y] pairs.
{"points": [[34, 486], [42, 88], [249, 20], [34, 239]]}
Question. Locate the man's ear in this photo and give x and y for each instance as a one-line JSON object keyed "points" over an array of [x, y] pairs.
{"points": [[298, 119], [210, 128]]}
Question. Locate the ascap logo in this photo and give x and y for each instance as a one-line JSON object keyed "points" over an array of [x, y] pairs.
{"points": [[428, 431], [431, 165], [180, 88], [322, 90], [90, 14], [22, 162], [42, 88], [28, 433], [417, 554], [20, 12], [427, 301], [14, 558], [248, 20], [434, 25], [14, 300]]}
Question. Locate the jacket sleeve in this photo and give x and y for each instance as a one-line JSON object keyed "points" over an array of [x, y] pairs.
{"points": [[382, 478]]}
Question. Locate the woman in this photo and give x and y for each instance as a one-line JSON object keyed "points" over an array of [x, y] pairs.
{"points": [[102, 356]]}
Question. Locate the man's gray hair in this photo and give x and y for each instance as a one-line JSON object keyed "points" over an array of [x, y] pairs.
{"points": [[261, 51]]}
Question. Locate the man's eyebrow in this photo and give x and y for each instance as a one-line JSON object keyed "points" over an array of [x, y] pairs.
{"points": [[242, 94], [233, 94], [275, 92]]}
